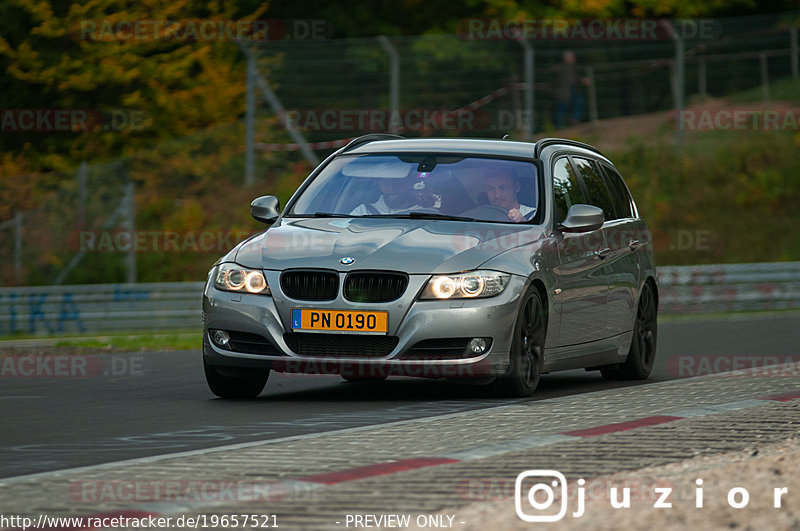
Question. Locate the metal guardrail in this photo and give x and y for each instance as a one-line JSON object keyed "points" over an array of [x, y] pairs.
{"points": [[729, 287], [96, 308]]}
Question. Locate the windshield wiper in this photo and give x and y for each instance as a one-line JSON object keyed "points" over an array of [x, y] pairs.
{"points": [[330, 215], [408, 215], [434, 215]]}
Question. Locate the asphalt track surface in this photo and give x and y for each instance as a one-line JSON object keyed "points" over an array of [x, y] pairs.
{"points": [[144, 404]]}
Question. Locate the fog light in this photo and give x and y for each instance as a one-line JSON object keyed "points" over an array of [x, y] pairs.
{"points": [[220, 338], [477, 345]]}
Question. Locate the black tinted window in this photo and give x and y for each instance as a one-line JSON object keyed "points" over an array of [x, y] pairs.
{"points": [[621, 195], [565, 187], [595, 187]]}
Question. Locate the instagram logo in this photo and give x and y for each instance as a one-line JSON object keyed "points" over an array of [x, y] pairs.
{"points": [[536, 489]]}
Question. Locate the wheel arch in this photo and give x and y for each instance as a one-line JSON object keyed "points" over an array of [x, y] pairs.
{"points": [[654, 286], [539, 284]]}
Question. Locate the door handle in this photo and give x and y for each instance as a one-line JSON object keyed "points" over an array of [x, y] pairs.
{"points": [[602, 253], [633, 245]]}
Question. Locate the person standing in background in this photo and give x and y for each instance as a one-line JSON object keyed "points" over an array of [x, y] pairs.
{"points": [[568, 92]]}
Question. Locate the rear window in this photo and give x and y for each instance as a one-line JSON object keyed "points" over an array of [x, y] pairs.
{"points": [[622, 197], [596, 190]]}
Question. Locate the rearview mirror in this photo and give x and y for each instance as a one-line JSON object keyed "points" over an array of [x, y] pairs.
{"points": [[582, 218], [265, 209]]}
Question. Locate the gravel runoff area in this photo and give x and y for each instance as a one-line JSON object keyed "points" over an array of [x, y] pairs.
{"points": [[761, 470]]}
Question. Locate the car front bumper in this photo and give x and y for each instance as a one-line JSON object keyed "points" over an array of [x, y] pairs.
{"points": [[412, 321]]}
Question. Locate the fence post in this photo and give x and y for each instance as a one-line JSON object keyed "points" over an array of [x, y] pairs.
{"points": [[277, 107], [129, 225], [701, 75], [124, 208], [530, 78], [83, 171], [762, 58], [18, 246], [394, 79], [678, 91], [793, 33], [249, 123], [592, 95], [516, 107]]}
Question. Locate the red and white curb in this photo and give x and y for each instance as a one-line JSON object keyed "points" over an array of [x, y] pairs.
{"points": [[322, 480], [316, 481]]}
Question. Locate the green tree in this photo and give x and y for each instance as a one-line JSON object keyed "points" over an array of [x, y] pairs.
{"points": [[58, 55]]}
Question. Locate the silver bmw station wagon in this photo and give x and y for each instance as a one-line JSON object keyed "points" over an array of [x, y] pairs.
{"points": [[482, 261]]}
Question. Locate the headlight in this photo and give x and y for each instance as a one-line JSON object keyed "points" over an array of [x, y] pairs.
{"points": [[233, 277], [466, 285]]}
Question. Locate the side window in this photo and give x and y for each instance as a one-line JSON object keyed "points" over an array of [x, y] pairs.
{"points": [[597, 192], [566, 190], [620, 192]]}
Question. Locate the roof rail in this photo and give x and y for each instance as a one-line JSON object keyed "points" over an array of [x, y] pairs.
{"points": [[371, 137], [544, 142]]}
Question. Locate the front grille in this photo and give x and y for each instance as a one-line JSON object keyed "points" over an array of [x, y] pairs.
{"points": [[310, 285], [252, 344], [341, 345], [374, 286], [442, 348]]}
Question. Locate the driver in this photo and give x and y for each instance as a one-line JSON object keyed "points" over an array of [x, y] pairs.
{"points": [[502, 187], [397, 195]]}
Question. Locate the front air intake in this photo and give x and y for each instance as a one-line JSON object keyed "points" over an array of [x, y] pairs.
{"points": [[374, 286], [310, 285]]}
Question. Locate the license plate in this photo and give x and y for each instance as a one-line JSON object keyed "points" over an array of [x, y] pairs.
{"points": [[340, 321]]}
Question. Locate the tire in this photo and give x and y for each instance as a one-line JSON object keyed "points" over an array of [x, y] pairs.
{"points": [[527, 349], [642, 353], [235, 386]]}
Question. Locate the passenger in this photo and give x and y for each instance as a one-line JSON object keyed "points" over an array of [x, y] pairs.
{"points": [[397, 195]]}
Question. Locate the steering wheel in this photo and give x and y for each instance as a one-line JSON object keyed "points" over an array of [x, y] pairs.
{"points": [[488, 212]]}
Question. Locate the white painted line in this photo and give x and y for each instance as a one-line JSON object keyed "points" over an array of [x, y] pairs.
{"points": [[719, 408], [516, 445]]}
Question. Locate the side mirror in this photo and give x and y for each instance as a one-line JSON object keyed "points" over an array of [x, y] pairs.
{"points": [[265, 209], [582, 218]]}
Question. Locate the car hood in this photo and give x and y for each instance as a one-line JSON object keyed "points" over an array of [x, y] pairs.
{"points": [[409, 245]]}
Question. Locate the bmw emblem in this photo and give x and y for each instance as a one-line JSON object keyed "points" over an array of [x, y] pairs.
{"points": [[347, 260]]}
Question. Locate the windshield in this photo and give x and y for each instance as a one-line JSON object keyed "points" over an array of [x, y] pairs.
{"points": [[423, 185]]}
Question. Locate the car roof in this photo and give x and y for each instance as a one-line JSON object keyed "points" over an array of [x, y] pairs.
{"points": [[508, 148], [466, 146]]}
